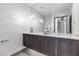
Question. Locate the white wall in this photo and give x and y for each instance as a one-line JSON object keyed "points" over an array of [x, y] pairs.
{"points": [[14, 20], [75, 18]]}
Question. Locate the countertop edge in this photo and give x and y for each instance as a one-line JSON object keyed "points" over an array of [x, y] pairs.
{"points": [[73, 37]]}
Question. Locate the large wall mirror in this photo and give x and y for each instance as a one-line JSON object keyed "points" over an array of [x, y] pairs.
{"points": [[62, 24]]}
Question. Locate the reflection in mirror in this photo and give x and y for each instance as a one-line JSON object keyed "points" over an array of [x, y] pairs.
{"points": [[62, 25]]}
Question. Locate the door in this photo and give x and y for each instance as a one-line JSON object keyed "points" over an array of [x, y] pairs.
{"points": [[37, 43], [52, 46], [27, 40], [66, 47]]}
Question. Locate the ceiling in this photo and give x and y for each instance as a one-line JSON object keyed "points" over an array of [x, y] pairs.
{"points": [[54, 8]]}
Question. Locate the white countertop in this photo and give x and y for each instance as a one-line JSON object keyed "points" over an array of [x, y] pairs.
{"points": [[70, 36]]}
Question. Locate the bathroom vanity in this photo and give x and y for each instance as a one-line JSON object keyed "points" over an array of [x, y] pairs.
{"points": [[52, 45]]}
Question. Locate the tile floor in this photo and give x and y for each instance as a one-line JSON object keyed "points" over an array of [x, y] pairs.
{"points": [[28, 52]]}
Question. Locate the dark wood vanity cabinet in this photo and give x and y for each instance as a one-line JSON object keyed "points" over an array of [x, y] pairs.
{"points": [[41, 44], [52, 46], [33, 42], [76, 47], [67, 47], [28, 42], [48, 46]]}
